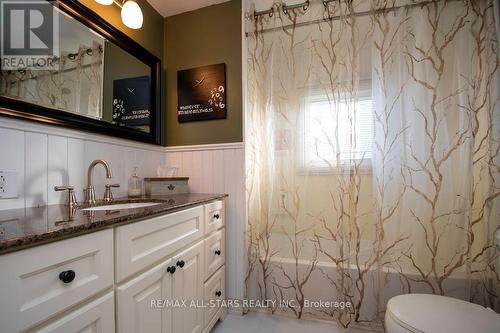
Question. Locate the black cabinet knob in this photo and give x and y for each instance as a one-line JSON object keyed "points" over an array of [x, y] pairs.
{"points": [[216, 216], [180, 263], [171, 269], [67, 276], [218, 293], [217, 252]]}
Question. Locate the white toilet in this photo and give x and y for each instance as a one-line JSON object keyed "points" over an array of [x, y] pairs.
{"points": [[440, 314]]}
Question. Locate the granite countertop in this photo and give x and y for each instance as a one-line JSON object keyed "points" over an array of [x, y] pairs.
{"points": [[28, 227]]}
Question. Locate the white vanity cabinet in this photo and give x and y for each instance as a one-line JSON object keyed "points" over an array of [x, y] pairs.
{"points": [[215, 292], [142, 302], [141, 244], [31, 285], [188, 286], [126, 279], [135, 311], [191, 244], [94, 317]]}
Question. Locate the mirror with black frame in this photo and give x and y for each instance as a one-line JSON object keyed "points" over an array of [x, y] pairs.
{"points": [[98, 79]]}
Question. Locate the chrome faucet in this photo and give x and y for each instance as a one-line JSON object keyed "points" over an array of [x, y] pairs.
{"points": [[90, 190], [71, 202], [108, 195]]}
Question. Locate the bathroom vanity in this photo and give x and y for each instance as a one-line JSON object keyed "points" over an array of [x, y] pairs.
{"points": [[117, 270]]}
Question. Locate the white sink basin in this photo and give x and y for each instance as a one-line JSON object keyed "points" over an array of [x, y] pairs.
{"points": [[123, 206]]}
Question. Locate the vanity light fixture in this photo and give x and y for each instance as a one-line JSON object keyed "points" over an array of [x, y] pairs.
{"points": [[105, 2], [131, 12]]}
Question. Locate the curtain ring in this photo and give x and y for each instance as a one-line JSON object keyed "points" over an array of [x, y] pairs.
{"points": [[269, 12], [326, 2], [306, 5], [89, 52]]}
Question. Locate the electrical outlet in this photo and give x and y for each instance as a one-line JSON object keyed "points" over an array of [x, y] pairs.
{"points": [[8, 184]]}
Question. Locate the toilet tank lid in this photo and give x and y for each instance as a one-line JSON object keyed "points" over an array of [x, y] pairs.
{"points": [[432, 313]]}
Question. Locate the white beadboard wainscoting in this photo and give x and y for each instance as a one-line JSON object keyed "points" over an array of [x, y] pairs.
{"points": [[45, 156], [220, 168]]}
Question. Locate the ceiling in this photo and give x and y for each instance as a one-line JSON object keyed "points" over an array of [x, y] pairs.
{"points": [[173, 7]]}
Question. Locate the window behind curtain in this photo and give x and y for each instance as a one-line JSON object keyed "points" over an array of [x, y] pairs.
{"points": [[337, 135]]}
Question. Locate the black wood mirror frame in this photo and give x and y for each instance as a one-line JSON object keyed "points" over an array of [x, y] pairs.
{"points": [[19, 109]]}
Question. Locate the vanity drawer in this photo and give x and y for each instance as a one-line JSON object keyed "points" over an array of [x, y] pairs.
{"points": [[214, 215], [30, 283], [140, 245], [96, 317], [215, 252], [212, 288]]}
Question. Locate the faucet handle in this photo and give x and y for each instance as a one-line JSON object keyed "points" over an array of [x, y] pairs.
{"points": [[71, 193], [108, 195], [64, 188]]}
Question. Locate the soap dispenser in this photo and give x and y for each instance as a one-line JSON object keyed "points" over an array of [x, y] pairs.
{"points": [[135, 185]]}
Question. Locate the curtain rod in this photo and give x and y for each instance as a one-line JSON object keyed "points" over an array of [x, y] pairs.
{"points": [[70, 56], [338, 17], [67, 70]]}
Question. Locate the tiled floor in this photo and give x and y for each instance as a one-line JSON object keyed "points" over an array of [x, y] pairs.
{"points": [[264, 323]]}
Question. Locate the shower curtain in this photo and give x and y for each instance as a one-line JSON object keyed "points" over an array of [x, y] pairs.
{"points": [[75, 87], [372, 153]]}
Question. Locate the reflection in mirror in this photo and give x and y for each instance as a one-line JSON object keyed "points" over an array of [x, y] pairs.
{"points": [[126, 89], [75, 86], [93, 78]]}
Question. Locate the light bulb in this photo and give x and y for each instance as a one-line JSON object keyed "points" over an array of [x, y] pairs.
{"points": [[104, 2], [132, 15]]}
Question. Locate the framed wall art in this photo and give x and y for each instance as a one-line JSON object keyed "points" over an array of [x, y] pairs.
{"points": [[201, 93]]}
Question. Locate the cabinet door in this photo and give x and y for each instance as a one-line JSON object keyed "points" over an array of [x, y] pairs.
{"points": [[188, 286], [137, 309], [214, 216], [215, 252], [141, 244], [214, 292], [96, 317], [31, 289]]}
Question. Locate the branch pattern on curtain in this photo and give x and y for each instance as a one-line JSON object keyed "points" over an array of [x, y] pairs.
{"points": [[75, 87], [372, 135]]}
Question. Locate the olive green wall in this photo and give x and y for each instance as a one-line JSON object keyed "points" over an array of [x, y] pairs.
{"points": [[206, 36], [150, 36], [119, 65]]}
